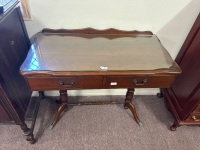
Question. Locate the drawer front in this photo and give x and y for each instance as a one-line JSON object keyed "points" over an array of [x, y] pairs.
{"points": [[64, 83], [197, 109], [139, 81], [193, 118]]}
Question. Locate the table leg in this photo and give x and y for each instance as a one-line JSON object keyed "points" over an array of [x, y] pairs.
{"points": [[128, 104], [42, 95], [160, 95], [27, 132], [64, 104]]}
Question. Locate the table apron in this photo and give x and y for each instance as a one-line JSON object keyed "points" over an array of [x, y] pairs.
{"points": [[99, 82]]}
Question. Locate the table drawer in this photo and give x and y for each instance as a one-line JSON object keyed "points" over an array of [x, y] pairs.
{"points": [[62, 83], [139, 81]]}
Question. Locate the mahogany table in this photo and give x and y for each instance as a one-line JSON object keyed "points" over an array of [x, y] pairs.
{"points": [[97, 59]]}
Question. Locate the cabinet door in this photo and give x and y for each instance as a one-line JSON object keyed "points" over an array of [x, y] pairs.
{"points": [[13, 40]]}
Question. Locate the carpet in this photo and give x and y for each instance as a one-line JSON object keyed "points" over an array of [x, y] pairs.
{"points": [[103, 127]]}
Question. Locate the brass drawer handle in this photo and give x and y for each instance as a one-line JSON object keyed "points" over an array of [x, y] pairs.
{"points": [[196, 118], [66, 85], [140, 83]]}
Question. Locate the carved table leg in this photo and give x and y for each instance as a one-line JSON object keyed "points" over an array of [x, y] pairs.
{"points": [[64, 104], [128, 104]]}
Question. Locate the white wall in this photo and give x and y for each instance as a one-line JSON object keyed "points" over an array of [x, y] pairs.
{"points": [[170, 20]]}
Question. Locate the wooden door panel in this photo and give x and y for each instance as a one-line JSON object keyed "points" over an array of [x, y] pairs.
{"points": [[13, 41]]}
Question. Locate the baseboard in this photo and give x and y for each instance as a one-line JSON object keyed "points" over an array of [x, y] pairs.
{"points": [[99, 92]]}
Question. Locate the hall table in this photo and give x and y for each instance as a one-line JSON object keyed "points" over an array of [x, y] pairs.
{"points": [[97, 59]]}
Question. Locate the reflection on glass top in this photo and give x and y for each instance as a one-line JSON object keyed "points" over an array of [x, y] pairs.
{"points": [[71, 53], [34, 64]]}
